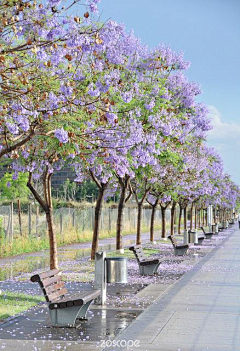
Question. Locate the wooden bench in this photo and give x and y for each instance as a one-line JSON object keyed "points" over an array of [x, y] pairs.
{"points": [[147, 266], [208, 235], [220, 227], [64, 309], [200, 237], [179, 249]]}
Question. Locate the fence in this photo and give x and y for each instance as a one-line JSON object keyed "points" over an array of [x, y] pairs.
{"points": [[33, 223]]}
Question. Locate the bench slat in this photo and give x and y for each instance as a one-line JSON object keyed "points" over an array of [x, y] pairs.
{"points": [[75, 300], [39, 277], [133, 248], [49, 281], [141, 256], [149, 262], [175, 244], [56, 295], [142, 259], [54, 287]]}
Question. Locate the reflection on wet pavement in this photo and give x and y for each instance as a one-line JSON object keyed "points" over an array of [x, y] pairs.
{"points": [[102, 324]]}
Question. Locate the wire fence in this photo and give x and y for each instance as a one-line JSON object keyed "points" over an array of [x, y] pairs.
{"points": [[80, 220]]}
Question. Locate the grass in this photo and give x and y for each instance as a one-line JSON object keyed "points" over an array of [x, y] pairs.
{"points": [[13, 303], [22, 245], [26, 244]]}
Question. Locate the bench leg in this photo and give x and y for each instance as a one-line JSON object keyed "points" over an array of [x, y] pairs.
{"points": [[200, 241], [180, 251], [209, 237], [150, 269], [83, 311], [64, 317]]}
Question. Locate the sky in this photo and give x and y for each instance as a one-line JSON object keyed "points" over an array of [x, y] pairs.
{"points": [[208, 32]]}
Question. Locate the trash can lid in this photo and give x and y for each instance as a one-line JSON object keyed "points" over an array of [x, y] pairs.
{"points": [[116, 258]]}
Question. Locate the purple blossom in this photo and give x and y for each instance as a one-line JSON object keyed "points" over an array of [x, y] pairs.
{"points": [[127, 96], [66, 90], [25, 154], [61, 135], [53, 2], [150, 105], [24, 124], [13, 128], [15, 176], [92, 91], [93, 8], [53, 101], [111, 117]]}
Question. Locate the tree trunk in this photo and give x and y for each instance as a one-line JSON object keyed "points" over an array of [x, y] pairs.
{"points": [[152, 223], [185, 218], [52, 241], [97, 216], [11, 222], [172, 218], [139, 222], [46, 205], [140, 208], [29, 219], [214, 216], [199, 218], [179, 219], [19, 216], [202, 212], [195, 218], [191, 217], [163, 213], [120, 214], [37, 220]]}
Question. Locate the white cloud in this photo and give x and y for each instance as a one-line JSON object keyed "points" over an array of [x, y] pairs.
{"points": [[222, 130], [225, 138]]}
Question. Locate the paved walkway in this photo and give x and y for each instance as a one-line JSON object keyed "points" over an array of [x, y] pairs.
{"points": [[200, 312]]}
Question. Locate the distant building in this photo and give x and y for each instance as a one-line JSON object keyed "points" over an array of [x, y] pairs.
{"points": [[58, 178]]}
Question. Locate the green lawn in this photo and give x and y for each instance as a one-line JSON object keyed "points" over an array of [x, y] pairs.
{"points": [[12, 303]]}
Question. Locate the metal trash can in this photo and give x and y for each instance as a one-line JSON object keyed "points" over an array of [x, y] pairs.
{"points": [[116, 270], [225, 224], [193, 237], [215, 228]]}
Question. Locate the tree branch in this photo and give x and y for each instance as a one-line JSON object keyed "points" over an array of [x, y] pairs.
{"points": [[35, 194], [9, 149], [94, 178]]}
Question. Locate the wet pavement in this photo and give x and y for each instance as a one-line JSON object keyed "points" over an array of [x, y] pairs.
{"points": [[102, 324]]}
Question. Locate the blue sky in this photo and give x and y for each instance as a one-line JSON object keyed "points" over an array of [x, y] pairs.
{"points": [[208, 31]]}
